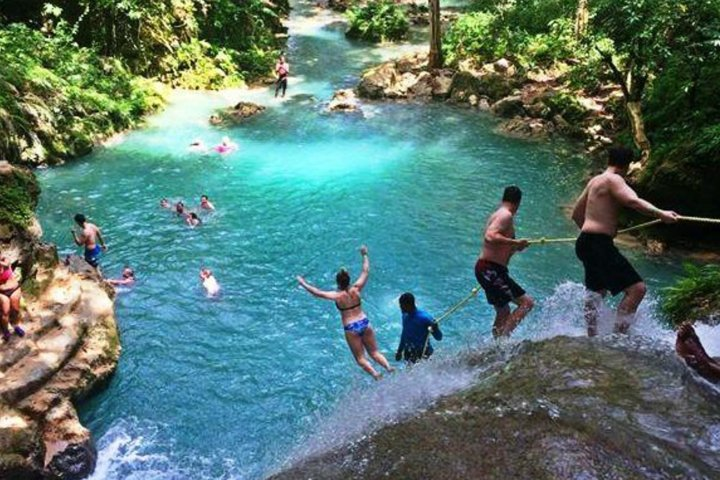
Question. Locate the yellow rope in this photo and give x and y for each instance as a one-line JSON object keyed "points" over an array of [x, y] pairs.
{"points": [[449, 312], [542, 241]]}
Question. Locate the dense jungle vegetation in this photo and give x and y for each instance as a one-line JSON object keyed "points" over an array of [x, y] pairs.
{"points": [[663, 55], [72, 71]]}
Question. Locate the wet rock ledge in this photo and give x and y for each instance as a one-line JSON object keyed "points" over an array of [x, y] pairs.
{"points": [[565, 408], [71, 346]]}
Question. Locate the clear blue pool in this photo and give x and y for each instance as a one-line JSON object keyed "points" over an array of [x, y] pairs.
{"points": [[226, 387]]}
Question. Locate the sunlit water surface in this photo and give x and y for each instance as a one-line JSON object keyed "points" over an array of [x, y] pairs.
{"points": [[232, 387]]}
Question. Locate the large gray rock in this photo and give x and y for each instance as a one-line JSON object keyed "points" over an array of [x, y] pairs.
{"points": [[509, 107], [343, 101], [561, 409]]}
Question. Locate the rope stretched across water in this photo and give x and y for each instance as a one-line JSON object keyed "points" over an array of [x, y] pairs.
{"points": [[449, 312], [542, 241]]}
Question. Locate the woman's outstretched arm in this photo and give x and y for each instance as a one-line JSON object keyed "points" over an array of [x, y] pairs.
{"points": [[316, 291], [363, 278]]}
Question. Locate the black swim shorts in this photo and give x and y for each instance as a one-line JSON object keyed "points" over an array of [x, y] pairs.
{"points": [[605, 266], [499, 288]]}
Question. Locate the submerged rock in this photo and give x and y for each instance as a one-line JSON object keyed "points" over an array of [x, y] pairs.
{"points": [[236, 114], [343, 101], [565, 408]]}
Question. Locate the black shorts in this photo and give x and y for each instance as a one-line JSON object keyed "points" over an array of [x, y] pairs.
{"points": [[605, 267], [499, 288]]}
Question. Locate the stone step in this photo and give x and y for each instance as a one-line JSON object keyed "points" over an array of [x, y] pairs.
{"points": [[50, 353]]}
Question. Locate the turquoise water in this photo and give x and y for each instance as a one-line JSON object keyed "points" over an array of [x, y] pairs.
{"points": [[227, 387]]}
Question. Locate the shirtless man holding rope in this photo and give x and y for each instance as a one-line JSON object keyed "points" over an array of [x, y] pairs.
{"points": [[491, 269], [606, 269]]}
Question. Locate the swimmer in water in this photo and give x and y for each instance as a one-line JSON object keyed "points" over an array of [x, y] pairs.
{"points": [[689, 348], [180, 210], [193, 220], [226, 146], [197, 146], [209, 282], [205, 203], [128, 278], [164, 203], [359, 335]]}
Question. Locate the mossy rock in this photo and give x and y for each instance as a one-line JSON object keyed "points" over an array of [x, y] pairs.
{"points": [[20, 192], [564, 408]]}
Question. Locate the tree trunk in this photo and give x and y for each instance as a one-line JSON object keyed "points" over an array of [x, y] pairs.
{"points": [[435, 58], [634, 110], [581, 19]]}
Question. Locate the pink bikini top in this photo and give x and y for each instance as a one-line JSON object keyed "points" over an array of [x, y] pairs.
{"points": [[6, 274]]}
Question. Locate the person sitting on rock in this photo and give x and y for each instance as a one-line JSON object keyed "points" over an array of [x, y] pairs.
{"points": [[211, 285], [417, 325], [193, 220], [10, 296], [205, 203], [128, 278], [688, 346]]}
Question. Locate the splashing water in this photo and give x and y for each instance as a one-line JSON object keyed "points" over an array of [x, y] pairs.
{"points": [[225, 388]]}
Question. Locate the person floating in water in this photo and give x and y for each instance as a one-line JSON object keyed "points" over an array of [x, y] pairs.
{"points": [[606, 269], [359, 335], [282, 70], [181, 211], [10, 298], [193, 220], [197, 146], [491, 269], [226, 146], [205, 203], [128, 278], [689, 348], [417, 325], [91, 238], [211, 285], [164, 203]]}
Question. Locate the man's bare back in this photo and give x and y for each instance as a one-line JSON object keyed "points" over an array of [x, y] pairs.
{"points": [[598, 207], [89, 235], [500, 224]]}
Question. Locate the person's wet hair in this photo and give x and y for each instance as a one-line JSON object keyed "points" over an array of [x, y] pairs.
{"points": [[620, 157], [407, 302], [204, 197], [512, 194], [80, 219], [343, 279]]}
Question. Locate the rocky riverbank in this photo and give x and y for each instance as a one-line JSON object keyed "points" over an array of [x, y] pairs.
{"points": [[532, 105], [71, 346], [564, 408]]}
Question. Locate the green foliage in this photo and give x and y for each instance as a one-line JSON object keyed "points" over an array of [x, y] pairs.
{"points": [[695, 296], [56, 98], [197, 65], [20, 192], [377, 21], [549, 47], [475, 35], [566, 105]]}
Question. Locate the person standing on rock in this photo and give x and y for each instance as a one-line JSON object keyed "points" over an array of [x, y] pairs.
{"points": [[606, 269], [491, 269], [282, 70], [91, 238], [359, 335], [10, 295]]}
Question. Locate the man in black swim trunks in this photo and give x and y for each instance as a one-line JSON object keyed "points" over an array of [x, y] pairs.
{"points": [[491, 268], [596, 214]]}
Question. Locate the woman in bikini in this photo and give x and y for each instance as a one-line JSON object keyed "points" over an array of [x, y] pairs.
{"points": [[10, 295], [359, 334]]}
